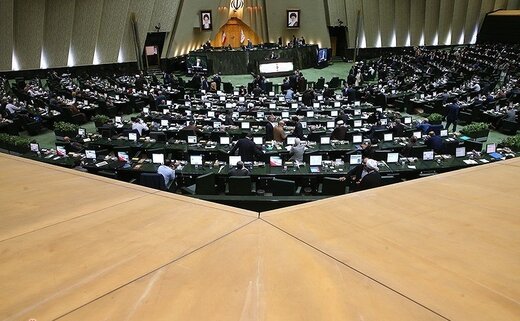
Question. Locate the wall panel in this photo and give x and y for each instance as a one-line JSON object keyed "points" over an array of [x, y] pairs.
{"points": [[417, 14], [28, 32], [164, 12], [353, 6], [513, 4], [111, 30], [500, 4], [143, 13], [402, 22], [431, 22], [371, 23], [459, 21], [471, 26], [7, 34], [445, 22], [87, 17], [337, 11], [57, 32], [386, 23]]}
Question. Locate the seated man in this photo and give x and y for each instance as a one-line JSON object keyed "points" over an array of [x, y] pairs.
{"points": [[297, 151], [340, 132], [239, 170], [140, 126], [365, 176], [434, 142], [167, 171]]}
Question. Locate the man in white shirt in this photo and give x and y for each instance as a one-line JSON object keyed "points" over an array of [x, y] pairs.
{"points": [[139, 125], [167, 172]]}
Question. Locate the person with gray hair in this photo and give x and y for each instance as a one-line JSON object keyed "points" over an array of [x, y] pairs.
{"points": [[297, 151]]}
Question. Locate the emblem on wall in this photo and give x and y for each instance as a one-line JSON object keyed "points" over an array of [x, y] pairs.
{"points": [[236, 4]]}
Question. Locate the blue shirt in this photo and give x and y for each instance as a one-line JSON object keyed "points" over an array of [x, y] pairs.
{"points": [[167, 172]]}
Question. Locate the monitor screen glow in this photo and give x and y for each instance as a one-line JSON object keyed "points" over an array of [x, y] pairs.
{"points": [[123, 157], [211, 114], [225, 140], [285, 114], [460, 152], [132, 137], [217, 124], [291, 140], [241, 99], [428, 155], [192, 139], [258, 140], [491, 148], [325, 140], [90, 154], [233, 160], [196, 159], [294, 105], [82, 132], [358, 123], [330, 124], [35, 147], [245, 125], [444, 133], [407, 120], [357, 112], [260, 114], [315, 160], [118, 119], [388, 137], [334, 113], [275, 161], [310, 114], [417, 135], [392, 158], [384, 121], [316, 105], [61, 151], [357, 139], [164, 122], [158, 158], [355, 159]]}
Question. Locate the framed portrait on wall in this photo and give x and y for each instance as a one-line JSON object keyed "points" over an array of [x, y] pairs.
{"points": [[293, 18], [206, 22]]}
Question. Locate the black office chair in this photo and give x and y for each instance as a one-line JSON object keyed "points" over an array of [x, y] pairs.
{"points": [[240, 185], [154, 180], [283, 187], [473, 145], [204, 185], [508, 127], [332, 186]]}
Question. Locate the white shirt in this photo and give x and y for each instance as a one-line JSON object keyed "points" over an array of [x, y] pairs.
{"points": [[167, 172], [139, 127]]}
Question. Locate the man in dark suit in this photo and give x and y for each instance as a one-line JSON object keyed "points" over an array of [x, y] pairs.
{"points": [[434, 142], [372, 178], [269, 135], [340, 132], [298, 128], [452, 114], [246, 149], [398, 128], [239, 170]]}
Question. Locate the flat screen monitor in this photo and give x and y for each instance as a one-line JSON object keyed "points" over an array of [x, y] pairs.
{"points": [[388, 137], [291, 140], [123, 157], [285, 114], [235, 114], [357, 139], [417, 135], [208, 104], [230, 105], [165, 111], [217, 124], [188, 112], [158, 158], [304, 124], [197, 64], [355, 159], [61, 151], [211, 114], [357, 112], [260, 114], [196, 159], [358, 123], [132, 137], [320, 98], [315, 160], [310, 114], [164, 123], [235, 93], [460, 151], [444, 133], [275, 161], [168, 103], [241, 99], [330, 124], [233, 160], [334, 113], [258, 140], [82, 132], [272, 105], [222, 98], [271, 94], [146, 110], [427, 155], [379, 109], [407, 120], [491, 148], [225, 140], [316, 105], [187, 103], [117, 97], [294, 105], [392, 158], [281, 98], [325, 140], [322, 55], [90, 154], [245, 125], [357, 103], [384, 121], [118, 119], [192, 139], [337, 104], [35, 147]]}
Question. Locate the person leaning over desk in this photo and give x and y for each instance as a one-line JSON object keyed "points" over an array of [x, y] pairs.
{"points": [[247, 149], [365, 176], [239, 170], [297, 151], [167, 171]]}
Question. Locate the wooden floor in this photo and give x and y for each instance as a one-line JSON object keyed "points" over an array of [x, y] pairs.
{"points": [[80, 247]]}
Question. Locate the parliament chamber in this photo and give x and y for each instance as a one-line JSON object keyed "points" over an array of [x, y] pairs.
{"points": [[252, 166]]}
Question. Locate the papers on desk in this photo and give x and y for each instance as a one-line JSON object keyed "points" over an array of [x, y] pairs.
{"points": [[496, 155], [484, 161], [470, 162], [288, 148], [412, 167], [103, 163]]}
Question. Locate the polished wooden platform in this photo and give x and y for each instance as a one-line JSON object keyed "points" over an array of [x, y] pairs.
{"points": [[79, 247]]}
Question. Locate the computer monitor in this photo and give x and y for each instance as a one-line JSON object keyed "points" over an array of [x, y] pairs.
{"points": [[417, 135], [460, 151], [196, 159], [357, 103], [123, 157], [407, 120], [35, 147], [245, 125], [316, 105], [392, 158], [358, 123], [211, 114], [241, 99], [285, 114], [315, 160], [491, 148], [165, 111], [310, 114], [427, 155], [132, 137], [169, 103], [192, 139], [337, 104], [235, 114], [225, 140], [90, 154], [82, 132], [187, 103], [357, 112], [388, 137], [146, 110], [325, 140], [275, 161], [444, 133], [320, 97], [158, 158], [188, 112], [294, 105], [61, 151], [330, 124], [271, 94], [222, 98], [379, 109], [258, 140], [272, 105], [291, 140], [217, 124], [357, 139], [355, 159], [233, 160], [235, 92], [384, 121], [164, 123], [260, 114], [281, 98], [208, 104], [304, 124], [334, 113], [118, 119]]}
